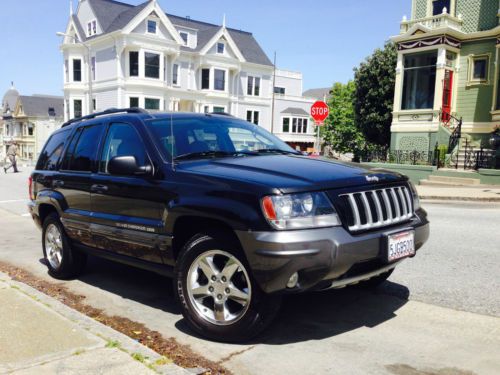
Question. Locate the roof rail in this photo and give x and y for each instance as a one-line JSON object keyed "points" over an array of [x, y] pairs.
{"points": [[220, 114], [104, 113]]}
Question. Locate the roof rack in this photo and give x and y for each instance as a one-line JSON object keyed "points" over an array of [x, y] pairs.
{"points": [[104, 113]]}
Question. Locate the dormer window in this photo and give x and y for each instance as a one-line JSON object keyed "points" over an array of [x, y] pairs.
{"points": [[152, 26], [185, 37], [92, 28], [439, 5], [220, 48]]}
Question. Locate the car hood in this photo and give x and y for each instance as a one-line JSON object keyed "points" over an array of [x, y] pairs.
{"points": [[290, 173]]}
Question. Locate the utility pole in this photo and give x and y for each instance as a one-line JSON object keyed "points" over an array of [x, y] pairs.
{"points": [[274, 94]]}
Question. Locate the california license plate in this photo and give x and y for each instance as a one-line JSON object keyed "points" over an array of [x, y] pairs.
{"points": [[400, 245]]}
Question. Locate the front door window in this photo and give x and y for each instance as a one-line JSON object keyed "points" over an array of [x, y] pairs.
{"points": [[419, 81]]}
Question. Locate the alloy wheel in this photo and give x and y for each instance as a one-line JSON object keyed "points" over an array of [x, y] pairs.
{"points": [[53, 246], [219, 287]]}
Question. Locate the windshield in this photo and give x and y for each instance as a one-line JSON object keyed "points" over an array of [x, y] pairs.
{"points": [[202, 137]]}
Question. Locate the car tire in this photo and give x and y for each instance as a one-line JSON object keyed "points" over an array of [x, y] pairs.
{"points": [[377, 280], [61, 259], [232, 309]]}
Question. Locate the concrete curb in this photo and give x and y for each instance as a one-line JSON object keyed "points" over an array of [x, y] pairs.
{"points": [[100, 330], [459, 199]]}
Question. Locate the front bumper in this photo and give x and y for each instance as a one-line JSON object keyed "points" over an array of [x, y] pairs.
{"points": [[324, 258]]}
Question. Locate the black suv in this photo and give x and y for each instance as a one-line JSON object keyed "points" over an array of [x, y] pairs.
{"points": [[235, 216]]}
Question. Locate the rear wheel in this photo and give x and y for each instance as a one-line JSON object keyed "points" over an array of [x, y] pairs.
{"points": [[219, 298], [62, 261]]}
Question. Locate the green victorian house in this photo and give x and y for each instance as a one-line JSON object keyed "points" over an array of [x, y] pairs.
{"points": [[448, 69]]}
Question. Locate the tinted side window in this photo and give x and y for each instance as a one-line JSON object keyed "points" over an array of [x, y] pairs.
{"points": [[52, 151], [122, 140], [82, 151]]}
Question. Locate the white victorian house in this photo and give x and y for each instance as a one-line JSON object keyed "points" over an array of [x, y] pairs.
{"points": [[140, 56]]}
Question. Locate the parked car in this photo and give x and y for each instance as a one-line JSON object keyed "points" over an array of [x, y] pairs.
{"points": [[234, 215]]}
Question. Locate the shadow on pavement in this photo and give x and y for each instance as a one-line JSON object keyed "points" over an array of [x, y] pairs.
{"points": [[302, 317]]}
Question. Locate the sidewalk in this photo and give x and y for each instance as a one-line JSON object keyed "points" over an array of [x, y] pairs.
{"points": [[39, 335], [463, 193]]}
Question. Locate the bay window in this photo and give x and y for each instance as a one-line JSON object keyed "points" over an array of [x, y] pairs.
{"points": [[133, 63], [219, 80], [77, 70], [151, 65], [175, 74], [298, 125], [419, 81], [205, 79], [153, 104]]}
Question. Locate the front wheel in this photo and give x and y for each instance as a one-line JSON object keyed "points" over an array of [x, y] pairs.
{"points": [[219, 298]]}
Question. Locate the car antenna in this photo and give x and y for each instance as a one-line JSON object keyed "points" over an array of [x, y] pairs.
{"points": [[172, 138]]}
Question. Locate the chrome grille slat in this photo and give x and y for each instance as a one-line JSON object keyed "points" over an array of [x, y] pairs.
{"points": [[395, 201]]}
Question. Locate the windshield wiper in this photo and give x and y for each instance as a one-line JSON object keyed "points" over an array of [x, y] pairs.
{"points": [[212, 154], [277, 151]]}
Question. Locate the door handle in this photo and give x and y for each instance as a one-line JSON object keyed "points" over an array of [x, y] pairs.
{"points": [[58, 183], [98, 188]]}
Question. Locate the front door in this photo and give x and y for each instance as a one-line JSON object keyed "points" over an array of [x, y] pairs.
{"points": [[447, 96], [126, 210]]}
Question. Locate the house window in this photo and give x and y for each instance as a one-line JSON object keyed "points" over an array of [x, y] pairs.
{"points": [[279, 90], [253, 117], [134, 63], [134, 102], [205, 79], [439, 5], [220, 48], [77, 70], [206, 109], [419, 81], [153, 104], [93, 67], [152, 27], [253, 86], [94, 104], [184, 37], [219, 79], [219, 109], [299, 125], [175, 74], [52, 112], [77, 108], [286, 125], [152, 65], [92, 28], [30, 129], [478, 71]]}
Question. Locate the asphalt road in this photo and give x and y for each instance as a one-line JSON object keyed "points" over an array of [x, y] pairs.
{"points": [[440, 311]]}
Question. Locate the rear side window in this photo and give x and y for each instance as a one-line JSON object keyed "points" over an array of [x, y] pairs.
{"points": [[52, 151], [82, 151], [122, 140]]}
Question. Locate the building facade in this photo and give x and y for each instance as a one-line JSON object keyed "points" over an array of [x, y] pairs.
{"points": [[140, 56], [29, 121], [448, 69]]}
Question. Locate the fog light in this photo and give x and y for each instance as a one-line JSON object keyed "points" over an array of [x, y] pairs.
{"points": [[292, 281]]}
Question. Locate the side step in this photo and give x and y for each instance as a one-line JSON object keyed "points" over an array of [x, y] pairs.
{"points": [[454, 181]]}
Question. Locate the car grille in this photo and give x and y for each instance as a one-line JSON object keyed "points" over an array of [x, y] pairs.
{"points": [[377, 208]]}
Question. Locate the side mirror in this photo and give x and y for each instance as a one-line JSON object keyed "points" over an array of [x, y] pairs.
{"points": [[127, 166]]}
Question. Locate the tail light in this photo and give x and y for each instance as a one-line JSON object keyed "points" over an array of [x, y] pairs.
{"points": [[30, 188]]}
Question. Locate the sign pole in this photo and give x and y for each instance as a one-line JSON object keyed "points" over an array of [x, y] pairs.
{"points": [[319, 112]]}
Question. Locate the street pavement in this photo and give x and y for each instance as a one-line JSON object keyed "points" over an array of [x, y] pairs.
{"points": [[439, 313]]}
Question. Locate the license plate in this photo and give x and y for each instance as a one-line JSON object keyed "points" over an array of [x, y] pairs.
{"points": [[400, 245]]}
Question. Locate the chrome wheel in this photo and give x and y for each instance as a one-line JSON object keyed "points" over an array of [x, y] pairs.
{"points": [[53, 246], [219, 287]]}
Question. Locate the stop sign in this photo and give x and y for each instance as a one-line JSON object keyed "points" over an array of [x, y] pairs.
{"points": [[319, 111]]}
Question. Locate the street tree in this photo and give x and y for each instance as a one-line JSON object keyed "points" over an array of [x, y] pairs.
{"points": [[374, 83]]}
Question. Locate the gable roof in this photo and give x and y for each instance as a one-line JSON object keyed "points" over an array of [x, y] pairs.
{"points": [[38, 105], [113, 15], [319, 93], [295, 111]]}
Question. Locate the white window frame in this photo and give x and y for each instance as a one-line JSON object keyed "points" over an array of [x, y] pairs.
{"points": [[147, 26], [187, 37], [142, 58], [178, 83], [252, 117], [219, 106], [92, 27], [135, 97], [290, 125], [253, 78], [154, 98], [223, 48], [129, 65], [226, 79]]}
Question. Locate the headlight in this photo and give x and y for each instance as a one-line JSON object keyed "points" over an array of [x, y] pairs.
{"points": [[414, 193], [299, 211]]}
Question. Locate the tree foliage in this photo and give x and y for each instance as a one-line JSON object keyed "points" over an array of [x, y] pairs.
{"points": [[339, 130], [374, 80]]}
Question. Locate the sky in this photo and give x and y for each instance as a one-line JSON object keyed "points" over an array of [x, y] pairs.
{"points": [[324, 39]]}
